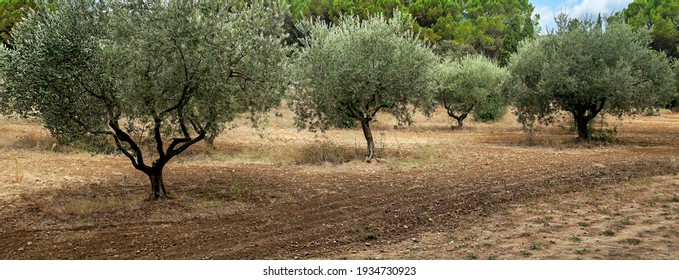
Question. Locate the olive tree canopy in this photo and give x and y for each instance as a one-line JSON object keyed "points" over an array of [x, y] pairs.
{"points": [[145, 78], [472, 83], [586, 69], [356, 69]]}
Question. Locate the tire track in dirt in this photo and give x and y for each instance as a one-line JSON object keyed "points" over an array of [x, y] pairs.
{"points": [[315, 223]]}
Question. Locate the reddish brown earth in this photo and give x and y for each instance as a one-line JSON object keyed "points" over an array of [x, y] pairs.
{"points": [[487, 191]]}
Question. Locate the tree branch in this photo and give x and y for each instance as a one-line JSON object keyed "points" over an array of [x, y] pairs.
{"points": [[184, 146], [376, 110], [599, 108], [125, 151], [158, 137], [172, 150], [177, 141], [351, 110], [181, 54], [182, 124], [90, 91], [120, 135], [470, 108], [371, 102], [183, 99], [197, 128]]}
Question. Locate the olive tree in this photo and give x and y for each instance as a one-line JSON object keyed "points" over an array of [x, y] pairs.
{"points": [[586, 69], [146, 78], [357, 68], [472, 83]]}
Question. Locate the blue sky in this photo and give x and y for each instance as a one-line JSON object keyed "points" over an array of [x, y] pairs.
{"points": [[575, 8]]}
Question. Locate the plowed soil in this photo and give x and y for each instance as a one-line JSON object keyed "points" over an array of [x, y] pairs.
{"points": [[486, 191]]}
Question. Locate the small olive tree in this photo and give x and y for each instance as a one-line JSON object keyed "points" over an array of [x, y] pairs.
{"points": [[356, 69], [146, 78], [586, 69], [472, 83]]}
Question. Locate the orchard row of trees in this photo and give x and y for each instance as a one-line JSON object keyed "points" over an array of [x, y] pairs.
{"points": [[493, 28], [151, 78], [458, 27]]}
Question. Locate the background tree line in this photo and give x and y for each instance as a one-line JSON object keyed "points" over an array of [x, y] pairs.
{"points": [[493, 28], [661, 16], [457, 27]]}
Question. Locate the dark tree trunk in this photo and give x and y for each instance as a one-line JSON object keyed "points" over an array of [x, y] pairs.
{"points": [[131, 149], [459, 118], [158, 190], [583, 115], [365, 124], [210, 141], [582, 123]]}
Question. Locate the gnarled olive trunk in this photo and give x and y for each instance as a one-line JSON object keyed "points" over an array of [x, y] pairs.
{"points": [[210, 141], [365, 124], [583, 115], [582, 124], [158, 190], [155, 170], [459, 118]]}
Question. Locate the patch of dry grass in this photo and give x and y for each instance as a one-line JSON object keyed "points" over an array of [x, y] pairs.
{"points": [[89, 206], [24, 134], [320, 152], [38, 141], [66, 204]]}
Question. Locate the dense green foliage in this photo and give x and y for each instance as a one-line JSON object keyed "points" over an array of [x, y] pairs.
{"points": [[662, 17], [495, 108], [357, 68], [479, 24], [586, 69], [473, 83], [151, 77], [487, 24], [516, 32], [11, 12], [331, 10]]}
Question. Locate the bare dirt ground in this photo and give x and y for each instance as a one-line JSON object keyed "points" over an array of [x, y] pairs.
{"points": [[484, 192]]}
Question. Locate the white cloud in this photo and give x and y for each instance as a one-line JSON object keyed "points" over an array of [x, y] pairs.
{"points": [[579, 8], [546, 15], [595, 7]]}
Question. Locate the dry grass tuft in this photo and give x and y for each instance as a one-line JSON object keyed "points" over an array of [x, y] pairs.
{"points": [[415, 154], [34, 140], [218, 190], [87, 205], [325, 151]]}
